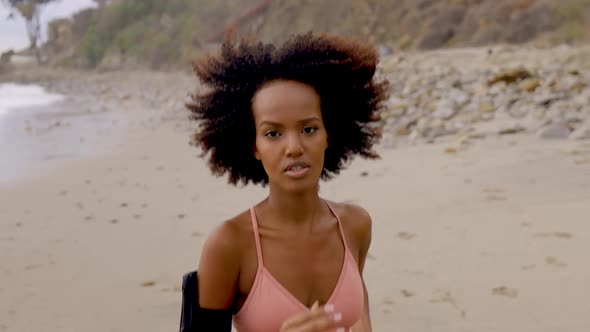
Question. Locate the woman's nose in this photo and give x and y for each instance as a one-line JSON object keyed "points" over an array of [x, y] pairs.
{"points": [[294, 146]]}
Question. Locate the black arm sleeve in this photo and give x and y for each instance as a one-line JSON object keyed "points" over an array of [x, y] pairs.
{"points": [[193, 318]]}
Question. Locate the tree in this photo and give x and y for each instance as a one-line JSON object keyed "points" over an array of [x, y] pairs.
{"points": [[30, 11]]}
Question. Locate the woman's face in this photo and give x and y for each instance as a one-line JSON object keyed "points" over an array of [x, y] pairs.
{"points": [[290, 134]]}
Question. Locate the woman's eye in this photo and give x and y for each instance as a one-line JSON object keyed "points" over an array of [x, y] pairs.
{"points": [[309, 130], [272, 134]]}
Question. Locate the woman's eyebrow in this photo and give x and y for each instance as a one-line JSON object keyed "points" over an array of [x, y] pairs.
{"points": [[310, 119], [276, 124], [269, 123]]}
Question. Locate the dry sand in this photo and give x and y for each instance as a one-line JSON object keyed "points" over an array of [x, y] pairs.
{"points": [[492, 237]]}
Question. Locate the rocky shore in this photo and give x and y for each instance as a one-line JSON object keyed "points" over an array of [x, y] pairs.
{"points": [[456, 95], [473, 93]]}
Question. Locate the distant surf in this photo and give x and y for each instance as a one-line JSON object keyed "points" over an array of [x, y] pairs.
{"points": [[14, 96]]}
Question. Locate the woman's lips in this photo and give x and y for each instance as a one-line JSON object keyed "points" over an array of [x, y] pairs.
{"points": [[297, 172]]}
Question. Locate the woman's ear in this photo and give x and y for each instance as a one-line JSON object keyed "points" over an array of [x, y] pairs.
{"points": [[256, 154]]}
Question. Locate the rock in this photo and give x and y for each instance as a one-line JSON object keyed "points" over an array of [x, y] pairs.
{"points": [[405, 42], [459, 97], [402, 131], [397, 109], [510, 76], [446, 110], [486, 108], [505, 291], [450, 150], [530, 84], [554, 131], [582, 133], [514, 129], [578, 87]]}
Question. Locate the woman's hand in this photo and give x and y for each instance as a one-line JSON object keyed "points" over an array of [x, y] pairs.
{"points": [[319, 319]]}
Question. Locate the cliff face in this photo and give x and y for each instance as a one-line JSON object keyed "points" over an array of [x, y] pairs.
{"points": [[169, 33], [427, 24]]}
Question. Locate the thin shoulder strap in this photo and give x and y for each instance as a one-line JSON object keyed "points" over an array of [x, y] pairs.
{"points": [[256, 237], [339, 224]]}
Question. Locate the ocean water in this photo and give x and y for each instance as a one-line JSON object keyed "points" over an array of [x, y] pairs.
{"points": [[19, 151], [40, 131], [14, 96]]}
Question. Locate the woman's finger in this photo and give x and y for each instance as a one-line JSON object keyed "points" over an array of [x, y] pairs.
{"points": [[327, 322], [316, 317]]}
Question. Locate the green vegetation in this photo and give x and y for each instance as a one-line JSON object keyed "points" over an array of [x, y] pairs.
{"points": [[154, 32], [573, 12], [573, 9]]}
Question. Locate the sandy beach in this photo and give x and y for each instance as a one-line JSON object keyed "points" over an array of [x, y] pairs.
{"points": [[489, 235]]}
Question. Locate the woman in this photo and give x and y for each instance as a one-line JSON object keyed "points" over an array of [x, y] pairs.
{"points": [[285, 118]]}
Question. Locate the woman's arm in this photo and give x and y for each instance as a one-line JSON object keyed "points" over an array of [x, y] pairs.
{"points": [[219, 268], [362, 230]]}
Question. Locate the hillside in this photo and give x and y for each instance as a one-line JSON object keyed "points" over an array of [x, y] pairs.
{"points": [[163, 34]]}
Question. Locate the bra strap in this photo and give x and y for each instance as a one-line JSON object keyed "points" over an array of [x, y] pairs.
{"points": [[339, 225], [256, 237]]}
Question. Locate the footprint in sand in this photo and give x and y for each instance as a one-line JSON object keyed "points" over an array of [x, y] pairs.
{"points": [[529, 267], [406, 293], [495, 198], [388, 301], [505, 291], [445, 296], [494, 194], [137, 216], [559, 235], [554, 261], [386, 305], [33, 267], [406, 235]]}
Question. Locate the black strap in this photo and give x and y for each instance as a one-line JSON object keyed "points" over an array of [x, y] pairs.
{"points": [[193, 318]]}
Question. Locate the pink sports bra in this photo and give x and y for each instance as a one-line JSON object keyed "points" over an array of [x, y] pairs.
{"points": [[269, 304]]}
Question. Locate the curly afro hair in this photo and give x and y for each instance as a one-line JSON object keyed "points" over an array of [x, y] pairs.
{"points": [[341, 71]]}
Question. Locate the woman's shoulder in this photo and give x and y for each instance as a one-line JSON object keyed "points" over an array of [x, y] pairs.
{"points": [[219, 266], [228, 237], [355, 220], [353, 215]]}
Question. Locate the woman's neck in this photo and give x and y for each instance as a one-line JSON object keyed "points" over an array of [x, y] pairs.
{"points": [[294, 209]]}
